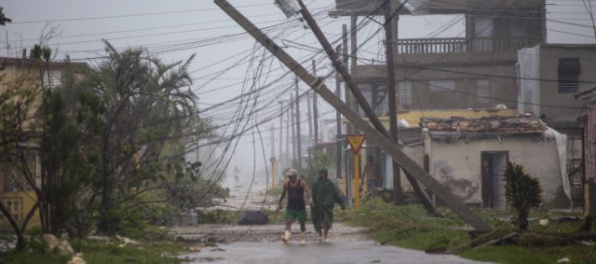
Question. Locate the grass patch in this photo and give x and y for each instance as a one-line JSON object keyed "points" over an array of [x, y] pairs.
{"points": [[412, 227], [102, 252], [522, 255]]}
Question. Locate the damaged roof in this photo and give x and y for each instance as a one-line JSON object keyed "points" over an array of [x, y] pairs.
{"points": [[494, 125]]}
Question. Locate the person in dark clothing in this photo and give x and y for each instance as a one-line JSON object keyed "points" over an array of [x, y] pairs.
{"points": [[371, 177], [296, 208], [487, 185], [325, 194]]}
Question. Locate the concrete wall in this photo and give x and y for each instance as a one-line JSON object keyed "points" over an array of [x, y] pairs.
{"points": [[564, 107], [538, 74], [416, 153], [464, 71], [457, 165], [528, 94]]}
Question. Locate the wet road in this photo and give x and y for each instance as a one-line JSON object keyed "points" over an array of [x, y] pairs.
{"points": [[314, 252], [261, 244]]}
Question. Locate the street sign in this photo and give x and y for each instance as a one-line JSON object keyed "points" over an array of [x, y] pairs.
{"points": [[272, 159], [355, 142]]}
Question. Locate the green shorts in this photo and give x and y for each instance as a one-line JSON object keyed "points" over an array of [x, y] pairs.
{"points": [[293, 214]]}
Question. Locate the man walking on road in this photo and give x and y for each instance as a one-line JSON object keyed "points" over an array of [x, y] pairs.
{"points": [[325, 194], [296, 208]]}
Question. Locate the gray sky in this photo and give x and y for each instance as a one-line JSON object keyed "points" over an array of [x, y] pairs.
{"points": [[173, 30]]}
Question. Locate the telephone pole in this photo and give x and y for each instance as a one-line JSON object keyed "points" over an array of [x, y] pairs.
{"points": [[298, 140], [293, 130], [315, 108], [390, 39]]}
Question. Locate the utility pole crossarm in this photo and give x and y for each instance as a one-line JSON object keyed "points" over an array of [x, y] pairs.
{"points": [[407, 164]]}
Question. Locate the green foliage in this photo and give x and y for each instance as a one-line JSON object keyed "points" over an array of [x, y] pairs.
{"points": [[522, 191], [101, 252], [319, 160]]}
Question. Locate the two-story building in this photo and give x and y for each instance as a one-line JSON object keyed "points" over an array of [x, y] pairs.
{"points": [[15, 192], [473, 75]]}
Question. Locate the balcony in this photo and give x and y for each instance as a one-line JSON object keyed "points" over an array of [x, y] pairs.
{"points": [[463, 45]]}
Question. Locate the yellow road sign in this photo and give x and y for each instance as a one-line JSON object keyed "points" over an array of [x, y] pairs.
{"points": [[355, 142]]}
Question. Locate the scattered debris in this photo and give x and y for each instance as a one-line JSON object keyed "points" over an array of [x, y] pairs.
{"points": [[54, 244], [128, 241], [77, 259], [500, 240], [563, 260], [437, 250], [254, 218]]}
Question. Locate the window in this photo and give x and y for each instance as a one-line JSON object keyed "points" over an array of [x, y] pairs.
{"points": [[483, 32], [51, 79], [382, 101], [404, 93], [442, 85], [483, 91], [569, 69], [519, 27]]}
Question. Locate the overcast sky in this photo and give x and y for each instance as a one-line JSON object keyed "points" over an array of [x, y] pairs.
{"points": [[173, 30]]}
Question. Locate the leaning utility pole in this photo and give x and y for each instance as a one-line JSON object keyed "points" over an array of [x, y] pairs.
{"points": [[390, 147], [370, 113]]}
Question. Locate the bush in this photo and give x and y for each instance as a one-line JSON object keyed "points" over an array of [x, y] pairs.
{"points": [[523, 192]]}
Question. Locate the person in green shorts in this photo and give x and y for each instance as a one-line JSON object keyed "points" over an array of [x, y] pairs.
{"points": [[325, 194], [296, 209]]}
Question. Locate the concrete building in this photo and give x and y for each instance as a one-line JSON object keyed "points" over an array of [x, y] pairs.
{"points": [[477, 70], [549, 77], [457, 147], [15, 192]]}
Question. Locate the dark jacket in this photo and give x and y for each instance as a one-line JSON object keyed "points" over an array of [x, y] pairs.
{"points": [[325, 194]]}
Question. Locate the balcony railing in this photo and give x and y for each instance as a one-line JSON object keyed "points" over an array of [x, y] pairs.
{"points": [[462, 45]]}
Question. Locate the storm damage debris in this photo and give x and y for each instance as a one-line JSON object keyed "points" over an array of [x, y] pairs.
{"points": [[445, 128], [254, 218]]}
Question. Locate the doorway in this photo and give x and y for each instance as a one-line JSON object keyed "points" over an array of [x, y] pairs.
{"points": [[492, 165]]}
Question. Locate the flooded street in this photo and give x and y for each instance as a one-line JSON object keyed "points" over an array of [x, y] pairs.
{"points": [[338, 252], [262, 244]]}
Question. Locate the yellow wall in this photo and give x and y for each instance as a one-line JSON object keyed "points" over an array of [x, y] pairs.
{"points": [[19, 204]]}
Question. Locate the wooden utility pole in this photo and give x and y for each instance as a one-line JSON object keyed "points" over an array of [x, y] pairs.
{"points": [[298, 136], [338, 152], [315, 108], [398, 197], [309, 117], [292, 164], [385, 143], [281, 114], [272, 159]]}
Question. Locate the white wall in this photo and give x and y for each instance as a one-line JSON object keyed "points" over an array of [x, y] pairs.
{"points": [[457, 165], [528, 94]]}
